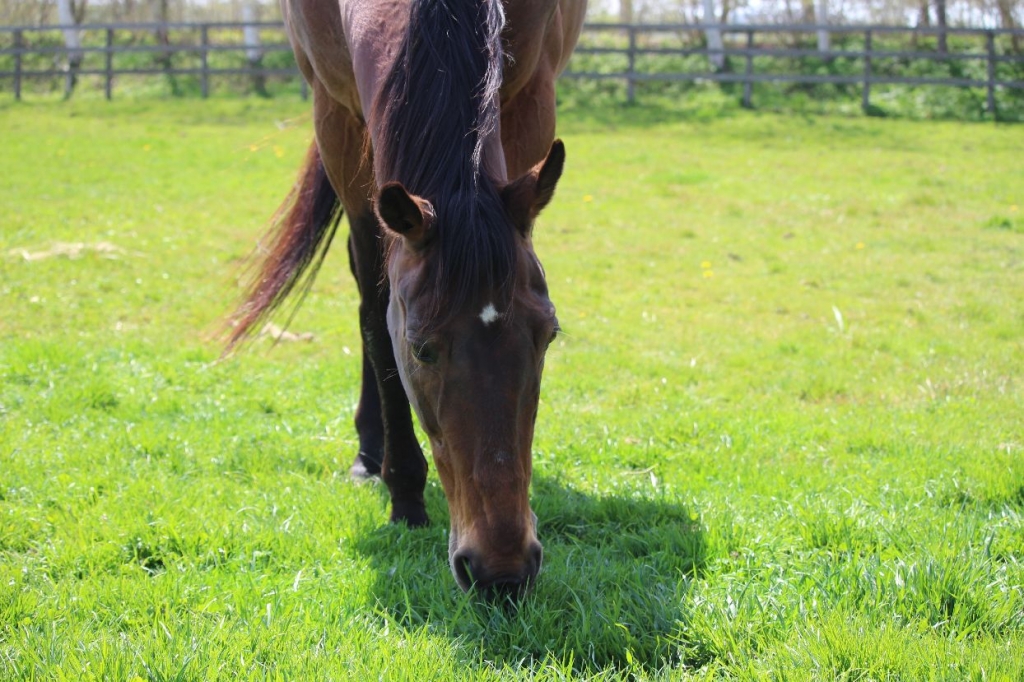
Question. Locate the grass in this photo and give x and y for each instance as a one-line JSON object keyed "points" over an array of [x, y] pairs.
{"points": [[781, 437]]}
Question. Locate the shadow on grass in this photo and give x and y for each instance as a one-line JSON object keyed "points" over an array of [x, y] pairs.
{"points": [[617, 569]]}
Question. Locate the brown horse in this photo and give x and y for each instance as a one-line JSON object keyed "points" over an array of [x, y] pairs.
{"points": [[424, 110]]}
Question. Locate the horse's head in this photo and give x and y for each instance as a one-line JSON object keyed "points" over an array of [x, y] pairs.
{"points": [[471, 366]]}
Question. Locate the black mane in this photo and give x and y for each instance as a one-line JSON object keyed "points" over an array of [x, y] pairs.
{"points": [[437, 105]]}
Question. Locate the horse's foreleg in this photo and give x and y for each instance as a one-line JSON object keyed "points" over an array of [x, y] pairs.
{"points": [[369, 417], [387, 440], [384, 405]]}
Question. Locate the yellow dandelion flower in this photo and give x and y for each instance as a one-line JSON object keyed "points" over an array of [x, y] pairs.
{"points": [[708, 274], [705, 265], [860, 245], [587, 198], [146, 147], [1013, 207], [254, 147], [278, 152]]}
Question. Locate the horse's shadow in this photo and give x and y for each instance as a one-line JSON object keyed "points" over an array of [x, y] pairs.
{"points": [[616, 572]]}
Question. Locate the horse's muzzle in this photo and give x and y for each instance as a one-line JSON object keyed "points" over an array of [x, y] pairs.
{"points": [[472, 572]]}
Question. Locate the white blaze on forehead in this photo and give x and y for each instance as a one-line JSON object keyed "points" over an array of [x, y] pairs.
{"points": [[489, 314]]}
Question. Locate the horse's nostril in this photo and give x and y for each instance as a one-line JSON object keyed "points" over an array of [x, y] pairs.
{"points": [[462, 565], [536, 558], [473, 574]]}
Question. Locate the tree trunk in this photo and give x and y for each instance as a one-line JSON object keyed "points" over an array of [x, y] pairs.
{"points": [[940, 21], [70, 19], [824, 41], [1006, 19], [923, 21], [253, 51], [625, 11], [807, 9], [123, 10], [162, 10], [714, 37]]}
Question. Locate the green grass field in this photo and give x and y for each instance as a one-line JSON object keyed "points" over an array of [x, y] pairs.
{"points": [[781, 438]]}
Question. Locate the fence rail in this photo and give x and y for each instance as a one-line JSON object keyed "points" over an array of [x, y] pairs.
{"points": [[24, 53], [767, 51], [865, 56]]}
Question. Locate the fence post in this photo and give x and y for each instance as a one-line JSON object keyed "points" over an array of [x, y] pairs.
{"points": [[865, 103], [990, 46], [204, 54], [630, 88], [17, 64], [748, 84], [109, 85]]}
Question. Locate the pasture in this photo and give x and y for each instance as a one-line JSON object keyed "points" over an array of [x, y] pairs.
{"points": [[781, 437]]}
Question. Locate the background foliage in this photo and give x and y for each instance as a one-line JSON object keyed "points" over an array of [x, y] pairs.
{"points": [[959, 56]]}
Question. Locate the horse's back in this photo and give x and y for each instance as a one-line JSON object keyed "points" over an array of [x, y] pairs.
{"points": [[539, 39], [343, 44]]}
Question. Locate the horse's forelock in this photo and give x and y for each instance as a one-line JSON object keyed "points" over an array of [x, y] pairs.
{"points": [[436, 109], [476, 253]]}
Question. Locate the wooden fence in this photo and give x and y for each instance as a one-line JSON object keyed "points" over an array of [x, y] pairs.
{"points": [[858, 56], [863, 56], [110, 51]]}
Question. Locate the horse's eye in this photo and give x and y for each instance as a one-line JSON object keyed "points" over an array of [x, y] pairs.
{"points": [[425, 352], [554, 334]]}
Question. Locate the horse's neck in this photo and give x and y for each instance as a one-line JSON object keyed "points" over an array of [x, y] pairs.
{"points": [[374, 32]]}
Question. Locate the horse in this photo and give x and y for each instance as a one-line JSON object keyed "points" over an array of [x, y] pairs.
{"points": [[435, 132]]}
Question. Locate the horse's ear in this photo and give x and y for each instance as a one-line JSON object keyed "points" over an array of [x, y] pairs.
{"points": [[525, 197], [404, 213]]}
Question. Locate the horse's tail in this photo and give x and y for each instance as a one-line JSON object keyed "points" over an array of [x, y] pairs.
{"points": [[291, 252]]}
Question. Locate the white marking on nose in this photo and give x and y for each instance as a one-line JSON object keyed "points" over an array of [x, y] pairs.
{"points": [[489, 314]]}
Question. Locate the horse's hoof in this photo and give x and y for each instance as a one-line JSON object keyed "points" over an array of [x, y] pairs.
{"points": [[413, 514]]}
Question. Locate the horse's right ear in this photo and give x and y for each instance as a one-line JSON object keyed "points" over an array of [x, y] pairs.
{"points": [[525, 197], [404, 213]]}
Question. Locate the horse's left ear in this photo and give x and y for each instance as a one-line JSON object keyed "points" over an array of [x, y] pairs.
{"points": [[525, 197]]}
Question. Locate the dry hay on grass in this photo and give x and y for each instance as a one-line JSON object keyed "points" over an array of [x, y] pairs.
{"points": [[71, 250], [279, 334]]}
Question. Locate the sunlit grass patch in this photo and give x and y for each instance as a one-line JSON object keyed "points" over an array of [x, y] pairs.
{"points": [[780, 435]]}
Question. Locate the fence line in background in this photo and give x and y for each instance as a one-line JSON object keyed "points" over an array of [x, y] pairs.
{"points": [[741, 43], [629, 43]]}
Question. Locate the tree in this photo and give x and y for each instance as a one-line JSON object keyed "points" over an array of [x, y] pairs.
{"points": [[163, 58], [626, 11], [70, 15], [253, 51], [1005, 8], [824, 43], [20, 12], [714, 36], [940, 21]]}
